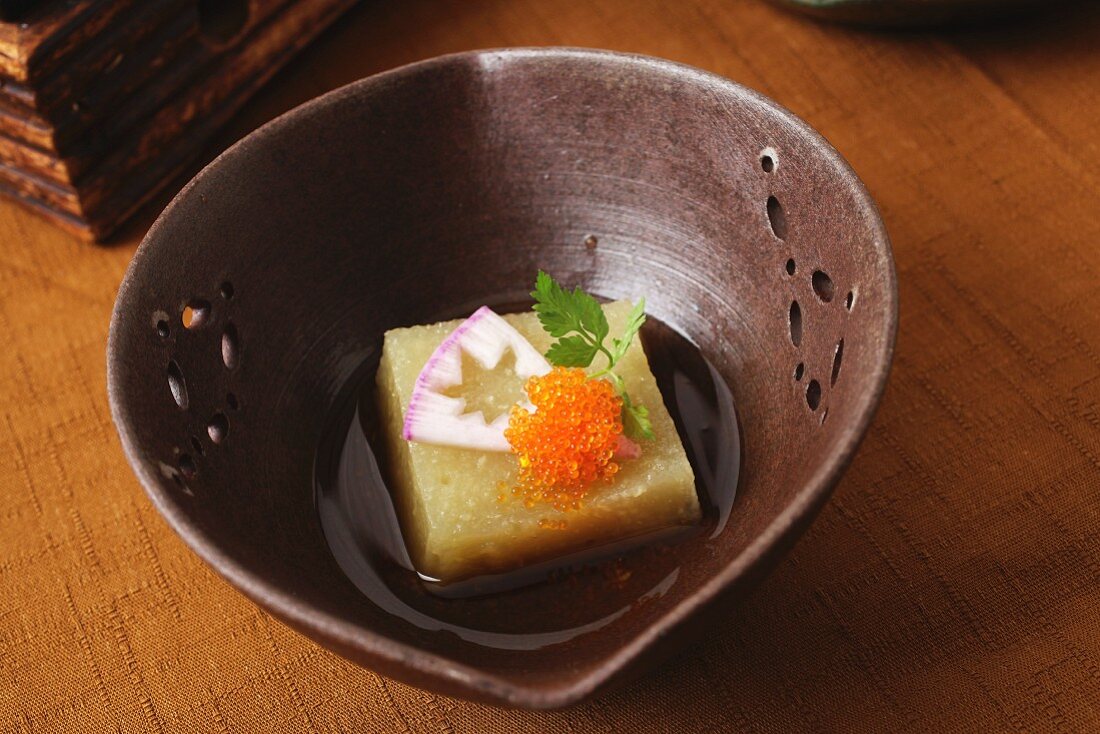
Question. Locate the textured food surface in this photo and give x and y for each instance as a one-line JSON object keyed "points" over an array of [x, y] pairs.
{"points": [[455, 522]]}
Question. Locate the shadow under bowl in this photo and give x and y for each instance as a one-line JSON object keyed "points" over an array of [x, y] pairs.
{"points": [[432, 188]]}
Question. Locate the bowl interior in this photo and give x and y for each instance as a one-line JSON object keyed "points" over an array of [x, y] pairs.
{"points": [[427, 191]]}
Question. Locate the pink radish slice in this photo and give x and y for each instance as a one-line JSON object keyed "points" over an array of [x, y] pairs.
{"points": [[433, 417]]}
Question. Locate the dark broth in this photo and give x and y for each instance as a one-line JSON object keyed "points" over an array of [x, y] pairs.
{"points": [[362, 529]]}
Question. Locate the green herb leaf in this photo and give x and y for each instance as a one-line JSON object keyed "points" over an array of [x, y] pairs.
{"points": [[571, 351], [633, 325], [580, 326], [552, 306], [563, 312], [636, 422], [591, 314]]}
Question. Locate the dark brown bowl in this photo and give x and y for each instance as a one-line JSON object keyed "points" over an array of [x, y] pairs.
{"points": [[911, 13], [432, 188]]}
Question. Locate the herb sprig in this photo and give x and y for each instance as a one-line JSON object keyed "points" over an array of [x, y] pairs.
{"points": [[577, 321]]}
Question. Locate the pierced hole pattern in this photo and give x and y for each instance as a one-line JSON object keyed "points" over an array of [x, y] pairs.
{"points": [[769, 160], [591, 241], [177, 385], [794, 319], [823, 286], [188, 470], [838, 355], [231, 350], [777, 218], [813, 394], [160, 322], [218, 427], [195, 314]]}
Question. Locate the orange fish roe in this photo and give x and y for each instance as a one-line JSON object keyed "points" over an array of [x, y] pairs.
{"points": [[568, 442]]}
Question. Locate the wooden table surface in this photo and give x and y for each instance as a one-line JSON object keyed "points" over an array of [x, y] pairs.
{"points": [[953, 582]]}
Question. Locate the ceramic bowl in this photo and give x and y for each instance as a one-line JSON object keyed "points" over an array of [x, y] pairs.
{"points": [[427, 190]]}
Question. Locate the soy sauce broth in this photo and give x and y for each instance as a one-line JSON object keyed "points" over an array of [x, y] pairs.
{"points": [[363, 532]]}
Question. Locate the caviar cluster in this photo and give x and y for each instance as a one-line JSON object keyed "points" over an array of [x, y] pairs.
{"points": [[568, 443]]}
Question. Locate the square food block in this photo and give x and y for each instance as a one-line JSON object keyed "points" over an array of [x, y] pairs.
{"points": [[455, 523]]}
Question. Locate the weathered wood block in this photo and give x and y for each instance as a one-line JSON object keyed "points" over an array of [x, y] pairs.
{"points": [[102, 102]]}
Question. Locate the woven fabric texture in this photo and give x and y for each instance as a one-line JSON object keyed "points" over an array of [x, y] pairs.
{"points": [[951, 584]]}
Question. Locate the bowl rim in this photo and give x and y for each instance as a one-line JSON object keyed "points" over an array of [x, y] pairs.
{"points": [[762, 551]]}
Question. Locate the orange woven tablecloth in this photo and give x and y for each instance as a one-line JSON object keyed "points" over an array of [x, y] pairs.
{"points": [[952, 584]]}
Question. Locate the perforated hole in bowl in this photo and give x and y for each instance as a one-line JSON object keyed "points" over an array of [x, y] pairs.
{"points": [[790, 267], [794, 320], [187, 467], [226, 290], [231, 401], [195, 314], [196, 444], [799, 370], [160, 321], [823, 285], [769, 160], [838, 355], [813, 394], [849, 300], [777, 218], [177, 385], [231, 348], [218, 427]]}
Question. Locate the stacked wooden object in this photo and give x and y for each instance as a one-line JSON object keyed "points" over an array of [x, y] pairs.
{"points": [[104, 102]]}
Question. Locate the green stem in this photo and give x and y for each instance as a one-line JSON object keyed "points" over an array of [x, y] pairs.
{"points": [[616, 381], [599, 347]]}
